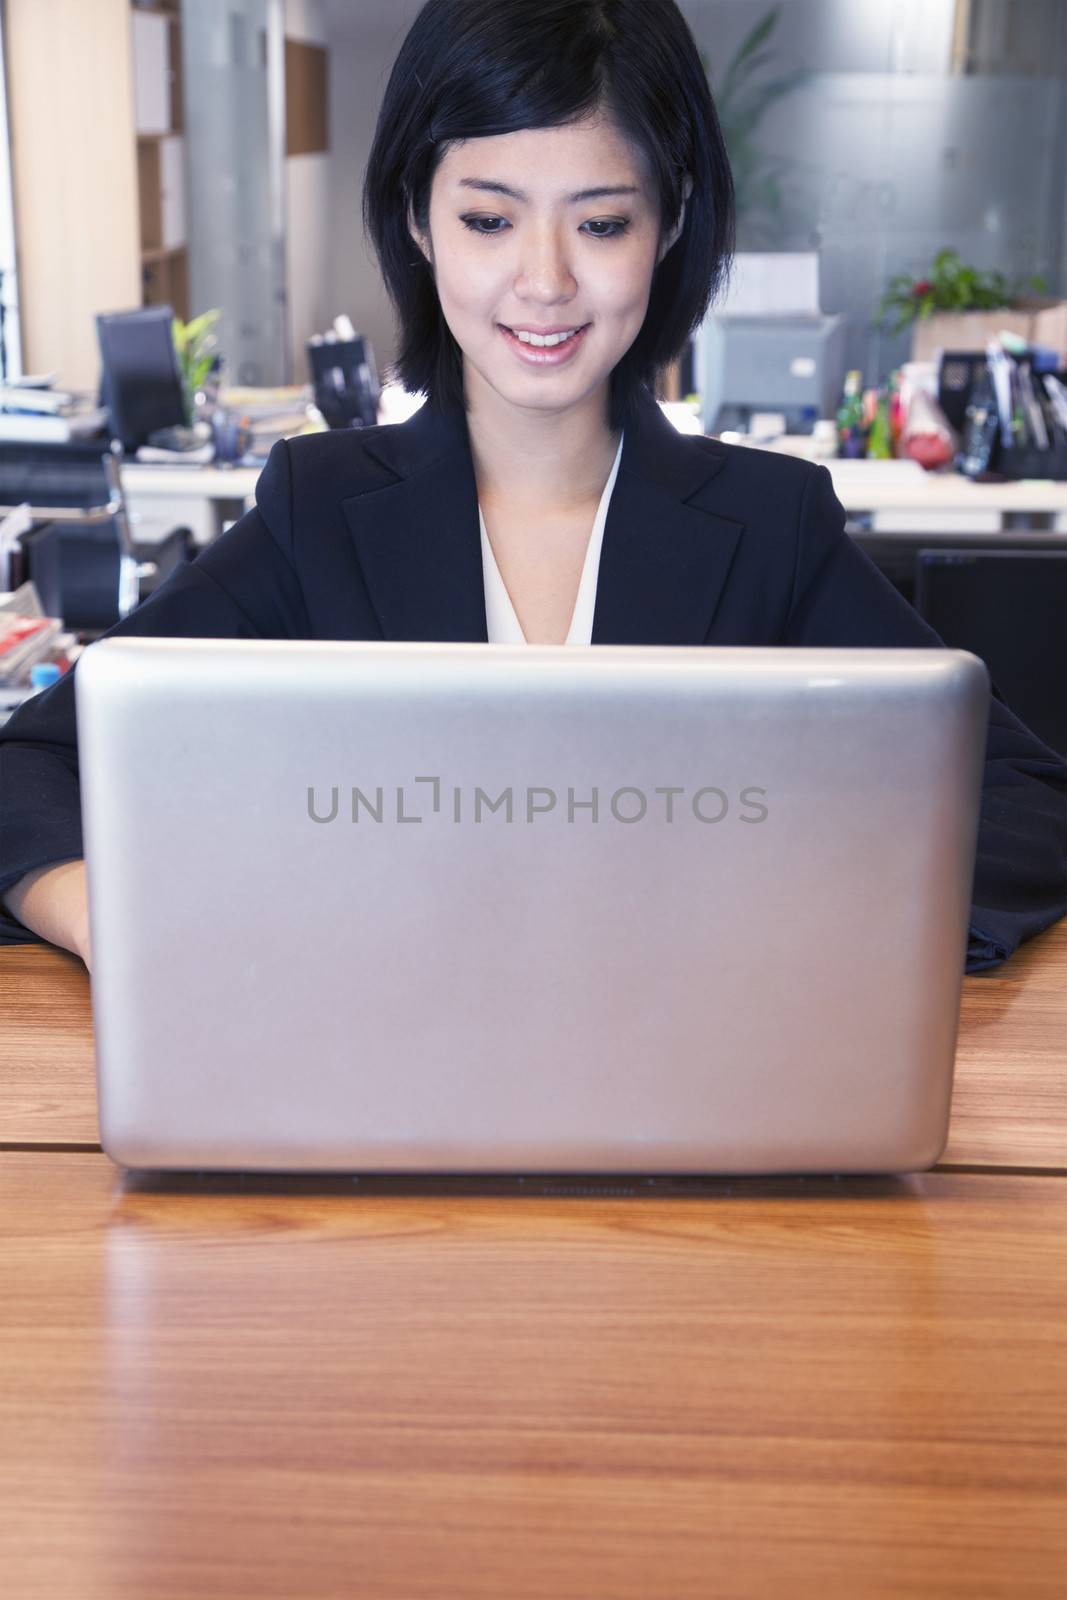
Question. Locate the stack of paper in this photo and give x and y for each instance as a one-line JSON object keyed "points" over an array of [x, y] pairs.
{"points": [[38, 414], [271, 414], [26, 634], [198, 456]]}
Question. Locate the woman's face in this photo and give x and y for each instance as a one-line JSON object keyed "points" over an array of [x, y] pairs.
{"points": [[518, 242]]}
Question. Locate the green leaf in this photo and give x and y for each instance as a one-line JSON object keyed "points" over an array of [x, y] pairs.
{"points": [[757, 37], [200, 327], [754, 64]]}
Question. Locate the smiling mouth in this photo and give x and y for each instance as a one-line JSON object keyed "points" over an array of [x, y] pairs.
{"points": [[545, 342]]}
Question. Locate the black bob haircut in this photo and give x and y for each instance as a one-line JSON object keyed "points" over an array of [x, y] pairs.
{"points": [[471, 69]]}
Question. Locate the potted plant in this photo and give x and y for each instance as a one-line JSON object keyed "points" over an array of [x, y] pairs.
{"points": [[949, 306], [195, 343], [743, 96]]}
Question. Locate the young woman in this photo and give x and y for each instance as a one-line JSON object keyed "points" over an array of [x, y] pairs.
{"points": [[551, 204]]}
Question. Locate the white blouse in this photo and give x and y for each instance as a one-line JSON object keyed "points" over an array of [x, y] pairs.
{"points": [[504, 626]]}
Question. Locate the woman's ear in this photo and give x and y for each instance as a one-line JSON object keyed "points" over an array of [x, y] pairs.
{"points": [[670, 239]]}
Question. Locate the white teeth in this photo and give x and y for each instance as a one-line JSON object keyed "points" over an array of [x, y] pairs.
{"points": [[543, 340]]}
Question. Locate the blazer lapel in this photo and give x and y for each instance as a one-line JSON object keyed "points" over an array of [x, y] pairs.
{"points": [[666, 553], [417, 536], [665, 557]]}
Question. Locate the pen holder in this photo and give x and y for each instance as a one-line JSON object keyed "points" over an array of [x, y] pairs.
{"points": [[1027, 461], [959, 371], [231, 434]]}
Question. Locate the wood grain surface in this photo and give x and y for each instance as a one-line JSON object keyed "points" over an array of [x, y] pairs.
{"points": [[47, 1074], [1009, 1104], [292, 1388]]}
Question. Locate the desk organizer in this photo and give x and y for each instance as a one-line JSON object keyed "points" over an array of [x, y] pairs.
{"points": [[959, 371]]}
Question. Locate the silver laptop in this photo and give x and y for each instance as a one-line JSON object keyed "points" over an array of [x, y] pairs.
{"points": [[459, 908]]}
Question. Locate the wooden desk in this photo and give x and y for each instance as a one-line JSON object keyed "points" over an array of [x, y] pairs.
{"points": [[744, 1389]]}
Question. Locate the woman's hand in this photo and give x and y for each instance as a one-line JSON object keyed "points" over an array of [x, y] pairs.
{"points": [[53, 901]]}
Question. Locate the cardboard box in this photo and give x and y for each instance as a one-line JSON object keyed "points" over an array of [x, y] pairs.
{"points": [[1050, 327], [1037, 321]]}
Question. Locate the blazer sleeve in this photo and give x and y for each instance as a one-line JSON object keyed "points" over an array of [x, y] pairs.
{"points": [[1020, 882], [242, 586]]}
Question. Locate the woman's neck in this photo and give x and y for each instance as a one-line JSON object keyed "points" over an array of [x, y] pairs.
{"points": [[554, 462]]}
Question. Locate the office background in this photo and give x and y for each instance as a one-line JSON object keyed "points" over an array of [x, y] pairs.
{"points": [[203, 154], [905, 127], [842, 1388]]}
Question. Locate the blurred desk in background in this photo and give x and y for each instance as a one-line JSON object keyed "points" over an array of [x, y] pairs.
{"points": [[900, 496], [205, 498], [882, 498]]}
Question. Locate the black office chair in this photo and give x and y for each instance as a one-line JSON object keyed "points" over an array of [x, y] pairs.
{"points": [[76, 490], [1009, 607]]}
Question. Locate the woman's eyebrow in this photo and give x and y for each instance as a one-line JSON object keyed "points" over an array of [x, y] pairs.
{"points": [[516, 194]]}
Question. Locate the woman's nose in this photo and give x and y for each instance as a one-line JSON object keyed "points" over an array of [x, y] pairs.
{"points": [[545, 268]]}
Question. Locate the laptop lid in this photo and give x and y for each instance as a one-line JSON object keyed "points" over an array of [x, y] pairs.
{"points": [[392, 907]]}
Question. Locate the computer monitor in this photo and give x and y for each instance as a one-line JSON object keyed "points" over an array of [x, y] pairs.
{"points": [[783, 363], [140, 383], [1007, 607]]}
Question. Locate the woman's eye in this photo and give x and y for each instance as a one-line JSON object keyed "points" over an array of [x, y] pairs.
{"points": [[605, 222]]}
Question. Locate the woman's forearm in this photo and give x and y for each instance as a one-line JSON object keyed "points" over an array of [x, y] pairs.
{"points": [[53, 901]]}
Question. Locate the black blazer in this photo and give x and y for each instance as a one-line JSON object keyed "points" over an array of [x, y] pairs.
{"points": [[373, 533]]}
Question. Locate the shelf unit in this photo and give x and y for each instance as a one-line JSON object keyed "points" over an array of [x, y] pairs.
{"points": [[161, 180]]}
